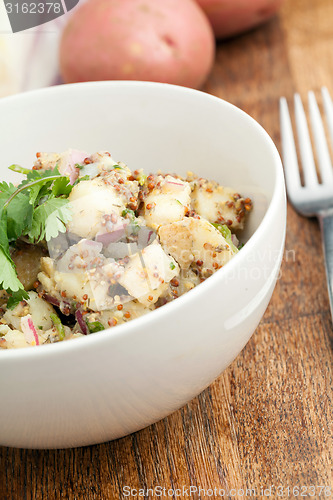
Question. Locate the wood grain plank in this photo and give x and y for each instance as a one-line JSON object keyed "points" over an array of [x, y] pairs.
{"points": [[308, 33], [285, 411]]}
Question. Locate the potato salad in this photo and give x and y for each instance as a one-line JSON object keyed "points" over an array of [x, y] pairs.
{"points": [[87, 244]]}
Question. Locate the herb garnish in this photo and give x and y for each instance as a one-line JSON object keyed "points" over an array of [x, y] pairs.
{"points": [[141, 179], [37, 209], [130, 213], [226, 233], [58, 326], [95, 326]]}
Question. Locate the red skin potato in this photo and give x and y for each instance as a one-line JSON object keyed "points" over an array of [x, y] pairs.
{"points": [[165, 41], [231, 17]]}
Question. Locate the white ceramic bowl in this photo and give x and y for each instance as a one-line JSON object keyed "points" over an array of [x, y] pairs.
{"points": [[115, 382]]}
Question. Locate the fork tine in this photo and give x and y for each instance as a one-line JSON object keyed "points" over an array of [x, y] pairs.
{"points": [[309, 168], [328, 106], [318, 131], [291, 170]]}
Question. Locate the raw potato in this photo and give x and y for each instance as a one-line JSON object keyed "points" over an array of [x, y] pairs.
{"points": [[231, 17], [165, 41]]}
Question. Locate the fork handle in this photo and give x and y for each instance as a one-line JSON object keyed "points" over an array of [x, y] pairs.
{"points": [[326, 226]]}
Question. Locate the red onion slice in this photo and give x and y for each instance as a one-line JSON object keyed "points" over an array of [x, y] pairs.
{"points": [[51, 300], [64, 306], [111, 237], [175, 183], [235, 240], [81, 322]]}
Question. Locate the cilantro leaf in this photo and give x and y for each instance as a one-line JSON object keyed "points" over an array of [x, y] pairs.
{"points": [[8, 279], [16, 298], [56, 222], [19, 214], [4, 243], [8, 189], [38, 191], [27, 186], [37, 208], [61, 187], [34, 175], [49, 219]]}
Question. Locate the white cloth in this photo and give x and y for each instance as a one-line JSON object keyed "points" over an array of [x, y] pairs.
{"points": [[29, 59]]}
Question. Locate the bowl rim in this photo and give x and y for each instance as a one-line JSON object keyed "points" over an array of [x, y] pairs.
{"points": [[127, 329]]}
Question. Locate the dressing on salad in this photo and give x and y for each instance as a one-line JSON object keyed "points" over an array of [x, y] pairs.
{"points": [[87, 244]]}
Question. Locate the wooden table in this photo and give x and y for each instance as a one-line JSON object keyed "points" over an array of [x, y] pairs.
{"points": [[267, 420]]}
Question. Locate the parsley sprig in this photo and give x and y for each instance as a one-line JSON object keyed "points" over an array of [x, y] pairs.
{"points": [[37, 209]]}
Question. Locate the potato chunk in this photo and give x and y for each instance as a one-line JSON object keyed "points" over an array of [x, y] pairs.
{"points": [[97, 205], [169, 201], [148, 273], [191, 240], [39, 309], [219, 204]]}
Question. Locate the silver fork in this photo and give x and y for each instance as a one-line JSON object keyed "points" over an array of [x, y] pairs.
{"points": [[314, 198]]}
